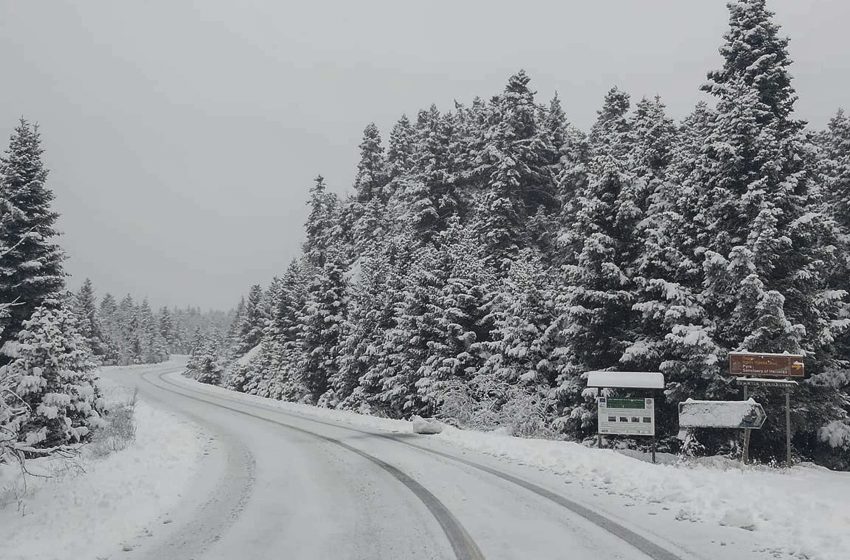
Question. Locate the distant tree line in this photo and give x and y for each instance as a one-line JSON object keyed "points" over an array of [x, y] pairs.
{"points": [[126, 332], [492, 254]]}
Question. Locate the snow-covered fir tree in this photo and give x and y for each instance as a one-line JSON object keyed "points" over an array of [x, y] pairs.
{"points": [[88, 322], [55, 378], [31, 272]]}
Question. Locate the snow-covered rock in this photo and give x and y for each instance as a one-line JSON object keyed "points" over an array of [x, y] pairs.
{"points": [[426, 426]]}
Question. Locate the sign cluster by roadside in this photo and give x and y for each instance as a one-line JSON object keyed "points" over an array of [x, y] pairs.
{"points": [[636, 416]]}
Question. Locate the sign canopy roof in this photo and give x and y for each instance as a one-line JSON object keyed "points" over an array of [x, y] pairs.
{"points": [[625, 379]]}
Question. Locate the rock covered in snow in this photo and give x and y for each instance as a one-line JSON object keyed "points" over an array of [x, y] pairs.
{"points": [[426, 425]]}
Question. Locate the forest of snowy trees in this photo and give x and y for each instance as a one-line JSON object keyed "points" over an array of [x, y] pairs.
{"points": [[493, 253], [126, 332]]}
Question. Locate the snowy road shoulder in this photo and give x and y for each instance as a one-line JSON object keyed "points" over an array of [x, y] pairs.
{"points": [[95, 507], [803, 512]]}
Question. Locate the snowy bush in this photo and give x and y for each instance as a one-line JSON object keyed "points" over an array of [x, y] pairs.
{"points": [[53, 376], [119, 429]]}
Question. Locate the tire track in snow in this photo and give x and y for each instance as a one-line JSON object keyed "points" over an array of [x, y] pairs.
{"points": [[461, 542], [215, 513], [641, 543]]}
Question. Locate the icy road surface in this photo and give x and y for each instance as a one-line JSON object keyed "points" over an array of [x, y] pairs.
{"points": [[278, 484]]}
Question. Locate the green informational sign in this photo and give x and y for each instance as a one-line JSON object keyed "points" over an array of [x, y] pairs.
{"points": [[626, 417], [626, 403]]}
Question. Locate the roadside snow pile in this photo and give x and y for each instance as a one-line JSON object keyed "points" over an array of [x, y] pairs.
{"points": [[91, 506], [427, 426]]}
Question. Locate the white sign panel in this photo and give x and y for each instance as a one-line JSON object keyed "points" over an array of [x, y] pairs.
{"points": [[626, 417]]}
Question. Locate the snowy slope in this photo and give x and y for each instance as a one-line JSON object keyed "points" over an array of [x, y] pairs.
{"points": [[95, 508]]}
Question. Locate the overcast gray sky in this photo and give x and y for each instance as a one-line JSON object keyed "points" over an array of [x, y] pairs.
{"points": [[182, 136]]}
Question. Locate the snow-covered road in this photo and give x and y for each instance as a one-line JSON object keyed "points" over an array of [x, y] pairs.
{"points": [[280, 484]]}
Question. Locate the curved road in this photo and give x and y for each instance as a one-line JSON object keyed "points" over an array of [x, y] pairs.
{"points": [[276, 484]]}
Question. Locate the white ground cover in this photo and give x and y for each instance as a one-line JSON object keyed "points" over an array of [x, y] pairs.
{"points": [[92, 507], [802, 512]]}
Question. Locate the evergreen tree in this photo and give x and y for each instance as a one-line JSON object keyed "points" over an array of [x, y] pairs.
{"points": [[168, 330], [513, 165], [321, 332], [371, 171], [462, 325], [771, 252], [431, 197], [55, 379], [320, 223], [31, 264], [88, 322], [250, 329], [837, 152]]}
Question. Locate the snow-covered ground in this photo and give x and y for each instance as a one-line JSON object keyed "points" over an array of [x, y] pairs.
{"points": [[801, 512], [96, 506]]}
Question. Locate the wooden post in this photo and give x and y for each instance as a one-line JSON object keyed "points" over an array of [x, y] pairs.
{"points": [[653, 449], [598, 435], [745, 456], [788, 427]]}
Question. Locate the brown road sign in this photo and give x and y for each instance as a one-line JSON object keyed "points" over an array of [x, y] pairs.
{"points": [[766, 365]]}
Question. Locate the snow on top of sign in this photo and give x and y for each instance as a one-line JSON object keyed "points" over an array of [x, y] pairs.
{"points": [[626, 379], [715, 414], [783, 354], [769, 381]]}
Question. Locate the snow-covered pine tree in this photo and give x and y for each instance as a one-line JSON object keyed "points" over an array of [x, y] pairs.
{"points": [[55, 378], [519, 357], [322, 223], [31, 272], [108, 317], [154, 347], [88, 322], [204, 365], [430, 196], [168, 330], [250, 329], [320, 335], [770, 251], [231, 339], [461, 322], [407, 345], [372, 169], [514, 168], [836, 148], [369, 350], [600, 244], [399, 161]]}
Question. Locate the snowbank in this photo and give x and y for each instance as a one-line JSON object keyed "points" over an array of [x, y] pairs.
{"points": [[803, 511], [93, 507]]}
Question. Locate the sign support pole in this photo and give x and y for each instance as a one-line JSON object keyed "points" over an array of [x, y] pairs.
{"points": [[745, 454], [788, 427]]}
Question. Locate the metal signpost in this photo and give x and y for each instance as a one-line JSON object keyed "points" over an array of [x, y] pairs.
{"points": [[628, 416], [768, 370]]}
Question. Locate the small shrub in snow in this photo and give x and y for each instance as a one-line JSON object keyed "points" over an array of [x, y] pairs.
{"points": [[119, 429]]}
